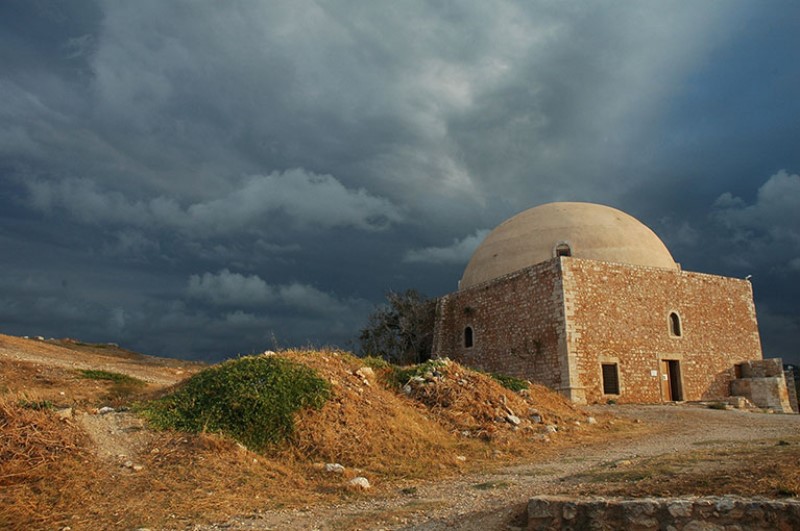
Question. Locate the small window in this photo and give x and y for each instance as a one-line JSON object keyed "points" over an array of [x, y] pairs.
{"points": [[468, 337], [610, 379], [563, 249], [675, 324]]}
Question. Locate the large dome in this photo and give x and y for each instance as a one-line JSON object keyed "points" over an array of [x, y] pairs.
{"points": [[582, 230]]}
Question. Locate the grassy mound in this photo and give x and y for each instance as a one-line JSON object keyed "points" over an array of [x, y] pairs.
{"points": [[251, 399]]}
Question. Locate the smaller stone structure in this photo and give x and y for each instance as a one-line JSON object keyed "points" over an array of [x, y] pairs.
{"points": [[766, 384], [791, 386], [726, 512]]}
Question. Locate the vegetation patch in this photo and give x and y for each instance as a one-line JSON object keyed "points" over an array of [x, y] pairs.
{"points": [[110, 376], [490, 485], [251, 399], [36, 405], [122, 388], [509, 382]]}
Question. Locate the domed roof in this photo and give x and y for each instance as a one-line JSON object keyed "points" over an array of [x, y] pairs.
{"points": [[583, 230]]}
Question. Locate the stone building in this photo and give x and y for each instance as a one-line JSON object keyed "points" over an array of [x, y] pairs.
{"points": [[587, 300]]}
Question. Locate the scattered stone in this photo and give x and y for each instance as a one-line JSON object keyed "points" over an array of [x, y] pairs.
{"points": [[513, 419], [551, 428], [65, 413], [360, 482], [137, 468], [365, 372], [269, 353], [577, 423], [461, 458], [624, 462], [128, 464], [105, 410], [334, 467], [407, 389], [591, 420]]}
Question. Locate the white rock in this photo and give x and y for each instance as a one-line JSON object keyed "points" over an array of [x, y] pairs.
{"points": [[104, 410], [365, 372], [269, 353], [513, 419], [137, 468], [65, 413], [407, 389], [461, 458], [334, 467], [360, 483], [591, 420], [128, 464], [550, 428]]}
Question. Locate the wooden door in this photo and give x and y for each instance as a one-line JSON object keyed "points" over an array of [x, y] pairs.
{"points": [[666, 385]]}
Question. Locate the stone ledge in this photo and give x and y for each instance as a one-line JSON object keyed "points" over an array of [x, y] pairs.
{"points": [[690, 513]]}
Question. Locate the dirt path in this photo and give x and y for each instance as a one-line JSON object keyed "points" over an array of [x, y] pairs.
{"points": [[482, 502]]}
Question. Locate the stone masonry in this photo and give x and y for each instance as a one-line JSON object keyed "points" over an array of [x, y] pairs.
{"points": [[711, 513], [558, 322]]}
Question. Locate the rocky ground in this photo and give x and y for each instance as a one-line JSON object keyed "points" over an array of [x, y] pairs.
{"points": [[497, 499]]}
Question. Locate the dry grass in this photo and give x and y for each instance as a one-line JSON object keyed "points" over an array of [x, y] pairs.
{"points": [[767, 468], [369, 426], [52, 474]]}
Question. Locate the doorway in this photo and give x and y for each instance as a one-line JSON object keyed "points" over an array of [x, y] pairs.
{"points": [[671, 389]]}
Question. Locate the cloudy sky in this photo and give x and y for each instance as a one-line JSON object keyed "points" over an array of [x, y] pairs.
{"points": [[201, 179]]}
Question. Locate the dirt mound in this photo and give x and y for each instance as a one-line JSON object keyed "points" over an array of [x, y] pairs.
{"points": [[367, 425], [473, 404], [93, 470]]}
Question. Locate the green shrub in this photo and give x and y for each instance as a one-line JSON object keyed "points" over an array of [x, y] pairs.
{"points": [[509, 382], [251, 399]]}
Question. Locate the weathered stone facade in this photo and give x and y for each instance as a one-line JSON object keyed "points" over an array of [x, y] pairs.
{"points": [[517, 323], [662, 334]]}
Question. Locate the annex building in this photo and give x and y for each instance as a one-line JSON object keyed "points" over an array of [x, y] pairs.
{"points": [[587, 300]]}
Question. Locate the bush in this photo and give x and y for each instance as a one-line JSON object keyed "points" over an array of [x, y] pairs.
{"points": [[509, 382], [251, 399]]}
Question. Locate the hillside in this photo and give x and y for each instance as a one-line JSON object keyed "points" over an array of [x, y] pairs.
{"points": [[441, 446], [69, 460]]}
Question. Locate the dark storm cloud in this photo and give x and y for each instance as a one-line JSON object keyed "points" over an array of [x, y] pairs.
{"points": [[206, 178]]}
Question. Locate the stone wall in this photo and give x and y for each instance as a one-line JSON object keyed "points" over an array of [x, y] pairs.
{"points": [[551, 512], [620, 314], [557, 322], [517, 323], [791, 387]]}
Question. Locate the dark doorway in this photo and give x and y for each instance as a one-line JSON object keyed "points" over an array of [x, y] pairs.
{"points": [[610, 379], [671, 389]]}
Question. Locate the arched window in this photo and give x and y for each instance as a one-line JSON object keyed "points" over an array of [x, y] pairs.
{"points": [[468, 340], [563, 249], [675, 324]]}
